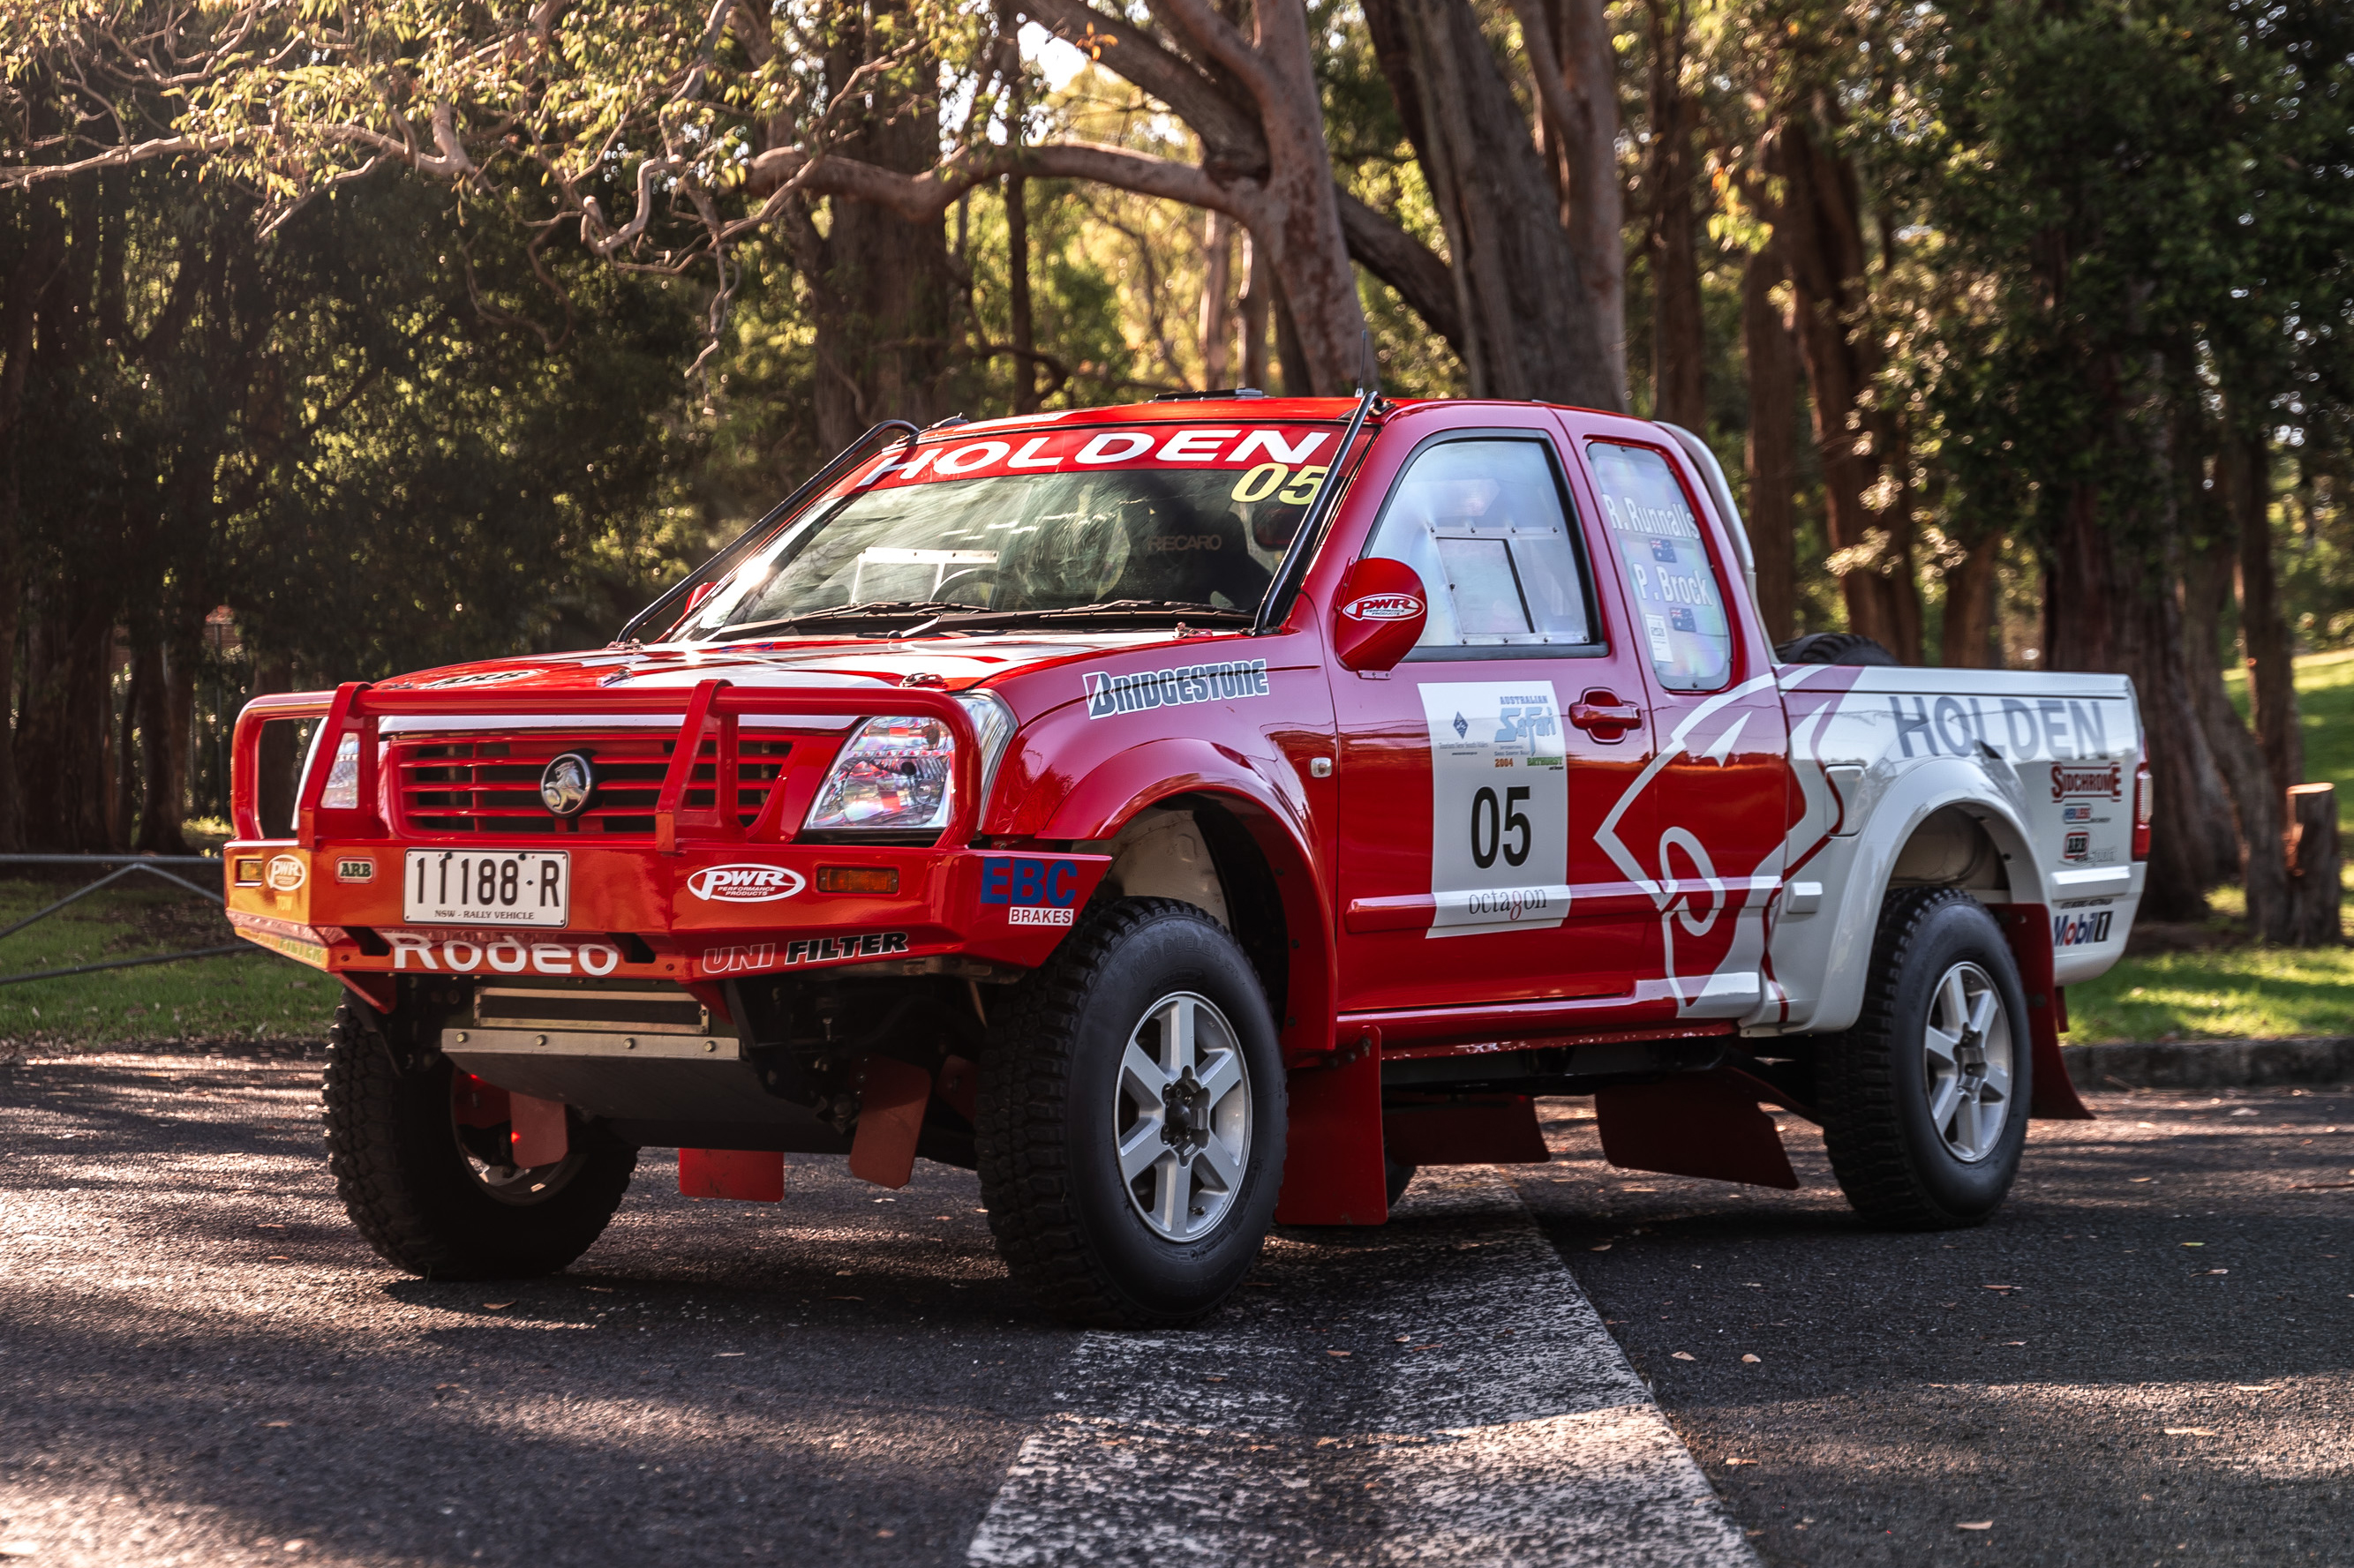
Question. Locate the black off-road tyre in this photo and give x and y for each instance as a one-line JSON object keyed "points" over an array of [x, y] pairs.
{"points": [[1834, 648], [406, 1184], [1873, 1082], [1047, 1139]]}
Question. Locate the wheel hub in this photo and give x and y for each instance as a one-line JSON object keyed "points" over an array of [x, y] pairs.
{"points": [[1185, 1116], [1966, 1058], [1181, 1117]]}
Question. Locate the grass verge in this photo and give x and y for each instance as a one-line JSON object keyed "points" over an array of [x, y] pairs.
{"points": [[243, 996]]}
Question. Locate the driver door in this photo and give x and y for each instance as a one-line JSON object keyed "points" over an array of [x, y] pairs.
{"points": [[1474, 774]]}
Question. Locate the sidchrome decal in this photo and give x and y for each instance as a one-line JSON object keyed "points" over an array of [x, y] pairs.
{"points": [[1231, 680], [2102, 783], [744, 884]]}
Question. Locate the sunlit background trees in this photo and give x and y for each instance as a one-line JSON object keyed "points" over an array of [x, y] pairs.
{"points": [[336, 340]]}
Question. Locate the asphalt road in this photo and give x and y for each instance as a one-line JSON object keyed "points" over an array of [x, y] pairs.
{"points": [[199, 1362]]}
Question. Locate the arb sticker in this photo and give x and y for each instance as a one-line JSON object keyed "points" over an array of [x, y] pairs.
{"points": [[744, 884], [356, 868]]}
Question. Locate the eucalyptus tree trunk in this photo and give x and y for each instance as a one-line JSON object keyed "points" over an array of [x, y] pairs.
{"points": [[1868, 512], [1678, 345], [2244, 472], [1529, 323], [882, 284], [1575, 72], [1772, 374]]}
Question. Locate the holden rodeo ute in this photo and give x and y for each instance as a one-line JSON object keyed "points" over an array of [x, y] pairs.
{"points": [[1191, 816]]}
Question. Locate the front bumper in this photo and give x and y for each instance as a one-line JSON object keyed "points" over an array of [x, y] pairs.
{"points": [[337, 908]]}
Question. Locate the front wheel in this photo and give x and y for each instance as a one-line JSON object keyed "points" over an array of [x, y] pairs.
{"points": [[420, 1156], [1131, 1120], [1925, 1100]]}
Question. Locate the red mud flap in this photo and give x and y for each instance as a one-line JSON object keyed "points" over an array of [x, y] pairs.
{"points": [[892, 1095], [537, 1130], [2029, 927], [747, 1175], [1333, 1172], [1498, 1130], [1704, 1123]]}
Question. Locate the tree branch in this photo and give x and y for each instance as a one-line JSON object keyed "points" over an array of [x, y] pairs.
{"points": [[1420, 276]]}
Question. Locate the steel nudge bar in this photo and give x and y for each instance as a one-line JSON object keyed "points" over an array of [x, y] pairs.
{"points": [[709, 709]]}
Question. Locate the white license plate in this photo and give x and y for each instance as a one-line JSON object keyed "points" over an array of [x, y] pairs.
{"points": [[486, 887]]}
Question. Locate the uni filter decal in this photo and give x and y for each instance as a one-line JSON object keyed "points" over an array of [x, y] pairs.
{"points": [[1498, 807]]}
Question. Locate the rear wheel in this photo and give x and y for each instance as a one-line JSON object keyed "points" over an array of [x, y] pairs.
{"points": [[1131, 1120], [1924, 1101], [424, 1172]]}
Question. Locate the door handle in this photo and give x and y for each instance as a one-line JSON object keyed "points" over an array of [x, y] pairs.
{"points": [[1601, 713]]}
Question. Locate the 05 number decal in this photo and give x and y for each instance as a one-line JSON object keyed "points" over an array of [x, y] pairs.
{"points": [[1491, 823], [1499, 807]]}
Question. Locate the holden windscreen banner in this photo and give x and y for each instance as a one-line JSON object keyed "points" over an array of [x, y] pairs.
{"points": [[1274, 457]]}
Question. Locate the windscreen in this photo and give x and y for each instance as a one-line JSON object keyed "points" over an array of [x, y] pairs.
{"points": [[1036, 522]]}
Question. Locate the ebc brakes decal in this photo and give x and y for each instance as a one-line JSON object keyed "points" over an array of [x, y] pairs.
{"points": [[1498, 807]]}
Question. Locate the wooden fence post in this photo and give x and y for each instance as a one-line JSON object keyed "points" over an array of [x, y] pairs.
{"points": [[2313, 861]]}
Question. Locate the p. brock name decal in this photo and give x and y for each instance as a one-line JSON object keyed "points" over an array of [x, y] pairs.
{"points": [[1498, 807], [1109, 695]]}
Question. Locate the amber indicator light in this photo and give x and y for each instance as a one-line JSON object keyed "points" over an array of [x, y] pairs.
{"points": [[858, 879], [248, 872]]}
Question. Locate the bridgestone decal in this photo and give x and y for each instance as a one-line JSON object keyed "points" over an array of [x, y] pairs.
{"points": [[1109, 695]]}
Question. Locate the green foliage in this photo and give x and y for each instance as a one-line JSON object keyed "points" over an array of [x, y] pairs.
{"points": [[2238, 994], [253, 995]]}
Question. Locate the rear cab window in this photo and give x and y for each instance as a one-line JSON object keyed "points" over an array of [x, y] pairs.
{"points": [[1680, 615]]}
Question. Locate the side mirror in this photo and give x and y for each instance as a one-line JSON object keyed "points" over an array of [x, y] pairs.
{"points": [[1378, 614]]}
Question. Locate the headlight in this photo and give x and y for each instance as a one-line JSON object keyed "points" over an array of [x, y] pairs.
{"points": [[343, 790], [898, 773]]}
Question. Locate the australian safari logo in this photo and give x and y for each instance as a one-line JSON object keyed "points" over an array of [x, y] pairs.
{"points": [[2105, 783], [1383, 607], [744, 884]]}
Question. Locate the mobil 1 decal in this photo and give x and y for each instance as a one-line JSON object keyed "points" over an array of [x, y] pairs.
{"points": [[1499, 806]]}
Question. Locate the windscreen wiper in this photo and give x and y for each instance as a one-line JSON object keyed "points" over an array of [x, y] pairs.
{"points": [[866, 610], [1113, 611]]}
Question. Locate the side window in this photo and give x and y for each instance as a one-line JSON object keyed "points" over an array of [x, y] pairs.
{"points": [[1679, 614], [1483, 524]]}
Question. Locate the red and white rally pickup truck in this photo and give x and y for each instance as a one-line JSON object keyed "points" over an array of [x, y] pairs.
{"points": [[1191, 816]]}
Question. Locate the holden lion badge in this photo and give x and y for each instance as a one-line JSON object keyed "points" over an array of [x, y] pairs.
{"points": [[565, 785]]}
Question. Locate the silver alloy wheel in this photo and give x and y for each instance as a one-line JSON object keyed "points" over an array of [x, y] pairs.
{"points": [[1968, 1050], [1181, 1117]]}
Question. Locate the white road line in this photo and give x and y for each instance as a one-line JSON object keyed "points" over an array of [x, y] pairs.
{"points": [[1516, 1435]]}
